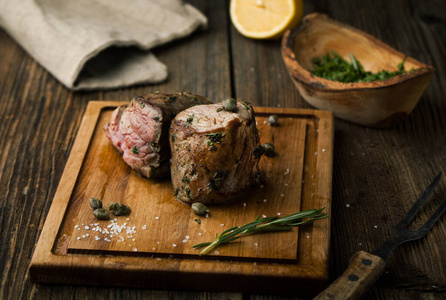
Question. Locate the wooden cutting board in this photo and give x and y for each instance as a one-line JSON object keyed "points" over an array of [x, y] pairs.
{"points": [[152, 247]]}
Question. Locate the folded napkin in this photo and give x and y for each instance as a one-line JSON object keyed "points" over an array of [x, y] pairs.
{"points": [[98, 44]]}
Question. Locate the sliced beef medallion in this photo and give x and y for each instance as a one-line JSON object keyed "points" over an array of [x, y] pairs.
{"points": [[140, 130], [214, 153]]}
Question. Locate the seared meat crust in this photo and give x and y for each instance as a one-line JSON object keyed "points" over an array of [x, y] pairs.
{"points": [[212, 150]]}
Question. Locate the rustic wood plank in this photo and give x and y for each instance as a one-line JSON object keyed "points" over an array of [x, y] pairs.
{"points": [[40, 119]]}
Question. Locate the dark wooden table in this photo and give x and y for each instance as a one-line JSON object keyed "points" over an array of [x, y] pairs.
{"points": [[377, 173]]}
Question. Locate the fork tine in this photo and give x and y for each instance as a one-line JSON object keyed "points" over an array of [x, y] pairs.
{"points": [[432, 220], [417, 205]]}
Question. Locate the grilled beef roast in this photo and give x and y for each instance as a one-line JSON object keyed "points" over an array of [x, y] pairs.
{"points": [[140, 130], [214, 153]]}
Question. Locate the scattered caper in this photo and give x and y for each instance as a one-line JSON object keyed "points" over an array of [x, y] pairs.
{"points": [[229, 104], [119, 209], [112, 205], [269, 149], [95, 203], [199, 208], [272, 120], [101, 214]]}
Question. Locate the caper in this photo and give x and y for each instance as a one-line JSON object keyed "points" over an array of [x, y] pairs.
{"points": [[119, 209], [95, 203], [272, 120], [101, 214], [269, 149], [229, 104], [112, 205], [199, 208]]}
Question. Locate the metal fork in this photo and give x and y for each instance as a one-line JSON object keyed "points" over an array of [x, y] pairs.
{"points": [[366, 267]]}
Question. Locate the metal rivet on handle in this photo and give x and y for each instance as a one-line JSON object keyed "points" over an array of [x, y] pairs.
{"points": [[366, 262], [353, 277]]}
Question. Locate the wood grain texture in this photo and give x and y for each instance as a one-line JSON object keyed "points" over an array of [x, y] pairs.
{"points": [[377, 174], [153, 246]]}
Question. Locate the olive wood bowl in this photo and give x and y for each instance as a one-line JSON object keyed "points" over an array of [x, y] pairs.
{"points": [[374, 104]]}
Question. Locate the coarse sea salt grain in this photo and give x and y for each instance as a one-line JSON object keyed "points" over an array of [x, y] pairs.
{"points": [[157, 218], [199, 233], [184, 241], [347, 205], [135, 250], [78, 237], [323, 150], [264, 200], [187, 237], [255, 244], [144, 227], [375, 226], [287, 172], [174, 245], [244, 204], [279, 214], [282, 195]]}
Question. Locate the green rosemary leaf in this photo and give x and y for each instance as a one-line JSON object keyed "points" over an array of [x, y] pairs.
{"points": [[228, 230], [201, 245]]}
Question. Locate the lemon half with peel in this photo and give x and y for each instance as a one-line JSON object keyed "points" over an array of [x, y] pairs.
{"points": [[265, 19]]}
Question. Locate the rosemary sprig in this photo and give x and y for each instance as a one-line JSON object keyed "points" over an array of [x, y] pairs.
{"points": [[259, 225]]}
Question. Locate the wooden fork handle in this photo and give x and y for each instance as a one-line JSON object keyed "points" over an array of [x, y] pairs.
{"points": [[360, 275]]}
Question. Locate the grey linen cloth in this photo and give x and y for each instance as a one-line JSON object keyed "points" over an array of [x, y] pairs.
{"points": [[99, 44]]}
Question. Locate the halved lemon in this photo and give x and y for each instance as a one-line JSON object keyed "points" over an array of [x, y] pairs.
{"points": [[265, 19]]}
